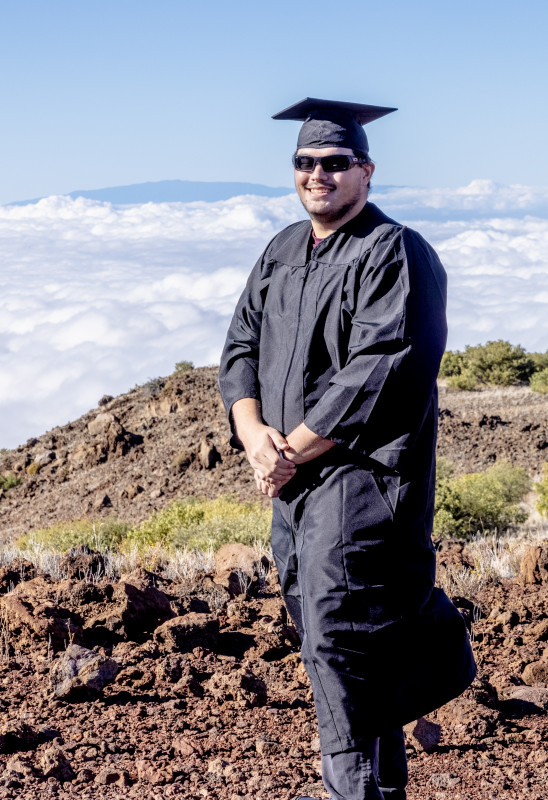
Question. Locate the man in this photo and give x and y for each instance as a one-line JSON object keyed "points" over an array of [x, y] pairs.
{"points": [[329, 379]]}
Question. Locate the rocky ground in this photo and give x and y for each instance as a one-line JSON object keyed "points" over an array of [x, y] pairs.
{"points": [[137, 452], [142, 686], [146, 688]]}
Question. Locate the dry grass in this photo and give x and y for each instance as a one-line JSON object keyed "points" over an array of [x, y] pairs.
{"points": [[490, 399], [182, 566], [495, 558]]}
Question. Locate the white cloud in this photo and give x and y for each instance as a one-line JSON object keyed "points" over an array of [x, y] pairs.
{"points": [[95, 298]]}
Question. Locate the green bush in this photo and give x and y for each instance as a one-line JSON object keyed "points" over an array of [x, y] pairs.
{"points": [[452, 363], [539, 381], [183, 366], [153, 386], [197, 523], [542, 490], [9, 481], [100, 534], [497, 363], [486, 501], [465, 381], [540, 360]]}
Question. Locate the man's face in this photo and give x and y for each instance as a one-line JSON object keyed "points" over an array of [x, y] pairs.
{"points": [[331, 198]]}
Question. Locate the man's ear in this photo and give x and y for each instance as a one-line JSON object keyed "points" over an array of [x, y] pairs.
{"points": [[369, 169]]}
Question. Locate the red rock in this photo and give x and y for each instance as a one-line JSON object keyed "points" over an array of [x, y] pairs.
{"points": [[536, 673], [111, 776], [183, 634], [423, 734], [157, 774], [534, 565], [185, 746]]}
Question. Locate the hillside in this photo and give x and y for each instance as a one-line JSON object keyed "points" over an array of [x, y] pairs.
{"points": [[186, 681], [139, 451]]}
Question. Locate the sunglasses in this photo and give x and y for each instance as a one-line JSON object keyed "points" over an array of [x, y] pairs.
{"points": [[335, 163]]}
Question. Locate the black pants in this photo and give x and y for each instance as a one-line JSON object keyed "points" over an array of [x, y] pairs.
{"points": [[323, 559], [331, 543], [376, 772]]}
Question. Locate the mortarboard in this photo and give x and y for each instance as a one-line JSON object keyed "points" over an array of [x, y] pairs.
{"points": [[331, 123]]}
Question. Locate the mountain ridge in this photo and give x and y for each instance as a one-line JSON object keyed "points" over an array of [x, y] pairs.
{"points": [[135, 453], [170, 191], [175, 191]]}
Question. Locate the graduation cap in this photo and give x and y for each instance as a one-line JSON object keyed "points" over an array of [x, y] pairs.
{"points": [[331, 123]]}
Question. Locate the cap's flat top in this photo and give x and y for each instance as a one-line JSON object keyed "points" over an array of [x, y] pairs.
{"points": [[358, 111]]}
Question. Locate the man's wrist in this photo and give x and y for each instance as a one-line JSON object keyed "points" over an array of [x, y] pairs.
{"points": [[293, 456], [249, 432]]}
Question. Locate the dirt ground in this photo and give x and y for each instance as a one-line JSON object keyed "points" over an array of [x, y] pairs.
{"points": [[158, 689], [198, 691]]}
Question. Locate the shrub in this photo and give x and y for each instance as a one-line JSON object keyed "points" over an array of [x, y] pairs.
{"points": [[486, 501], [183, 366], [33, 469], [9, 481], [540, 360], [539, 381], [198, 523], [465, 381], [497, 363], [153, 386], [452, 363], [542, 490], [104, 534]]}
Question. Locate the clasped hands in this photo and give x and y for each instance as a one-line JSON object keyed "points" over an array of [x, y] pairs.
{"points": [[265, 445], [271, 470]]}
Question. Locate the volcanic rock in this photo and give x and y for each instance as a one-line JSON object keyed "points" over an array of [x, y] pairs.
{"points": [[238, 568], [111, 776], [240, 686], [82, 562], [157, 774], [14, 573], [33, 618], [183, 634], [423, 734], [534, 565], [138, 606], [209, 456], [17, 735], [55, 764], [536, 673], [80, 672], [18, 770]]}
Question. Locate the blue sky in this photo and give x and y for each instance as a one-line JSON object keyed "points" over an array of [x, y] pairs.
{"points": [[106, 93]]}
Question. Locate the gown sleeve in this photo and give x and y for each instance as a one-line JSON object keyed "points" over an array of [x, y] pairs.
{"points": [[239, 367], [376, 403]]}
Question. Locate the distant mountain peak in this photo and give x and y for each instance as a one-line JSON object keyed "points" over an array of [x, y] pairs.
{"points": [[172, 191]]}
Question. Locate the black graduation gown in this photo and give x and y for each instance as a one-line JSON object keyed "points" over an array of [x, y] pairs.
{"points": [[347, 338]]}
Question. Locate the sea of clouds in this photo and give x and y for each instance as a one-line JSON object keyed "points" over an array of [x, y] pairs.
{"points": [[95, 298]]}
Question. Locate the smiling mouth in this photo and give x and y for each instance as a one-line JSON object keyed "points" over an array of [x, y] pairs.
{"points": [[319, 190]]}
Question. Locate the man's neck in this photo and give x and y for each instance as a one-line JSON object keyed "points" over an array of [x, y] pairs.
{"points": [[324, 229]]}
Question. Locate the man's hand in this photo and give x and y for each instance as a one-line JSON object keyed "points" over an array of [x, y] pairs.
{"points": [[270, 486], [262, 445]]}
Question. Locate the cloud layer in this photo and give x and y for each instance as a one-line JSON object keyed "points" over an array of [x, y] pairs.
{"points": [[95, 298]]}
